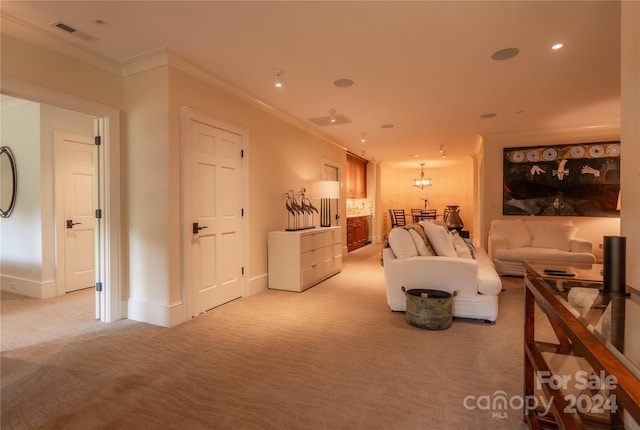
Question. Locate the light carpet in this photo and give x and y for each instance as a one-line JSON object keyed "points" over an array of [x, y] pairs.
{"points": [[332, 357]]}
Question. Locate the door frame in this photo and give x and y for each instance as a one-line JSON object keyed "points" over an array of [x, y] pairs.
{"points": [[188, 114], [108, 269]]}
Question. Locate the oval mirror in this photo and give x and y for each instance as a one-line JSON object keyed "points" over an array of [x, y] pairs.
{"points": [[8, 181]]}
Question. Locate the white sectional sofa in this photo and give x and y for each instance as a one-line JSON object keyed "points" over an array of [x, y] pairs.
{"points": [[514, 240], [410, 262]]}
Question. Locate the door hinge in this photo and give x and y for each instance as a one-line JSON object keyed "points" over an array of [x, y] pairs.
{"points": [[242, 153], [98, 286], [242, 212], [243, 270], [98, 140], [98, 213]]}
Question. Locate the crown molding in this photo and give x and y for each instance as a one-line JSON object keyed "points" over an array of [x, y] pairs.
{"points": [[147, 61], [36, 35], [606, 130], [164, 57]]}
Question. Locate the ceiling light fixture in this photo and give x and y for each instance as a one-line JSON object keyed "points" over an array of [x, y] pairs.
{"points": [[557, 46], [363, 138], [443, 153], [505, 54], [343, 83], [278, 83], [332, 119], [422, 182]]}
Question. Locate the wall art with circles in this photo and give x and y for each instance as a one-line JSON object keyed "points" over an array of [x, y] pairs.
{"points": [[579, 179]]}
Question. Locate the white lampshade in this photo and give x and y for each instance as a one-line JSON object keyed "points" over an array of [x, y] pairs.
{"points": [[325, 190]]}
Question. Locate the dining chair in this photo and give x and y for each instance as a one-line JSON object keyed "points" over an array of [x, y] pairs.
{"points": [[392, 218], [428, 213], [399, 216], [416, 214]]}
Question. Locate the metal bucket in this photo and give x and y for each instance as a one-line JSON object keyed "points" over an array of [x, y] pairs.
{"points": [[430, 309]]}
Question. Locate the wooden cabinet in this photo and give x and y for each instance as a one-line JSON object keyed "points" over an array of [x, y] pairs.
{"points": [[356, 177], [357, 232], [301, 259]]}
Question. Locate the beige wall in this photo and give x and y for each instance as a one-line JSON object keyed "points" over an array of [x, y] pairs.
{"points": [[630, 170], [27, 62], [452, 185], [147, 207]]}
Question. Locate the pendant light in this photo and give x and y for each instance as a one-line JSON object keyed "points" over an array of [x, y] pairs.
{"points": [[422, 182]]}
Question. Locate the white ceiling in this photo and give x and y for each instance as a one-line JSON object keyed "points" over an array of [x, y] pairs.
{"points": [[423, 66]]}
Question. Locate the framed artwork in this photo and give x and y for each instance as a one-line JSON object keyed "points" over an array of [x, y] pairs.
{"points": [[562, 180]]}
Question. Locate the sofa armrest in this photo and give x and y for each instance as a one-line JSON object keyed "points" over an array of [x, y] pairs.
{"points": [[437, 273], [581, 245], [495, 243]]}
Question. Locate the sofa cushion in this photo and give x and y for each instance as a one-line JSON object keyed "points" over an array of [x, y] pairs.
{"points": [[533, 225], [422, 247], [514, 231], [542, 254], [462, 250], [401, 243], [440, 240], [556, 236]]}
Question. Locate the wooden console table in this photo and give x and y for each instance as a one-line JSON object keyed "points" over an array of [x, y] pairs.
{"points": [[585, 378]]}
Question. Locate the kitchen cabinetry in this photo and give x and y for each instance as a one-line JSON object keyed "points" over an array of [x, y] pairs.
{"points": [[356, 177], [301, 259], [357, 232]]}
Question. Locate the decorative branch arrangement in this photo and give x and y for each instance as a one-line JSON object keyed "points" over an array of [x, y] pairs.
{"points": [[299, 210]]}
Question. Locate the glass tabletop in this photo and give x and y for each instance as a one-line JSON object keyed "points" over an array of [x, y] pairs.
{"points": [[573, 271], [604, 315]]}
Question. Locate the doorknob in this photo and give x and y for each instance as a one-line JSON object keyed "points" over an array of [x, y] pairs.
{"points": [[70, 223], [197, 229]]}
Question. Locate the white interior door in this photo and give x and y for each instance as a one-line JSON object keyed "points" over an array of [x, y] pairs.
{"points": [[75, 187], [213, 214]]}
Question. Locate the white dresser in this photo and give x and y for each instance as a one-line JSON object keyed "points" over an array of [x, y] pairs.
{"points": [[300, 259]]}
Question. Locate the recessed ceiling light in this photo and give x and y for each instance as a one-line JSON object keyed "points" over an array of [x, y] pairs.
{"points": [[557, 46], [489, 115], [387, 126], [505, 54], [343, 83]]}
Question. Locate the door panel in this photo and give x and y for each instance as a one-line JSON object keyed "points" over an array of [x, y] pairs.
{"points": [[212, 199], [77, 167]]}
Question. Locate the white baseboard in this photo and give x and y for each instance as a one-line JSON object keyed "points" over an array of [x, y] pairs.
{"points": [[164, 316], [258, 284], [29, 288]]}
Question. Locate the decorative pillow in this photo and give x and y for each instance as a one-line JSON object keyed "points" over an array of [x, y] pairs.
{"points": [[514, 231], [433, 221], [472, 249], [440, 240], [556, 236], [460, 246], [422, 247], [401, 243]]}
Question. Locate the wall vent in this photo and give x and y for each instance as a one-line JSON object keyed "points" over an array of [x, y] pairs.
{"points": [[73, 31]]}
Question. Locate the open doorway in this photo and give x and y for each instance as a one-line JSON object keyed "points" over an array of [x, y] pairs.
{"points": [[29, 266]]}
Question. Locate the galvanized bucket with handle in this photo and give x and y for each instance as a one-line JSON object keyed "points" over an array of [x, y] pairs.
{"points": [[430, 309]]}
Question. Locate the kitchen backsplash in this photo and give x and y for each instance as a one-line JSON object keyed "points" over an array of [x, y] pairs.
{"points": [[359, 207]]}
